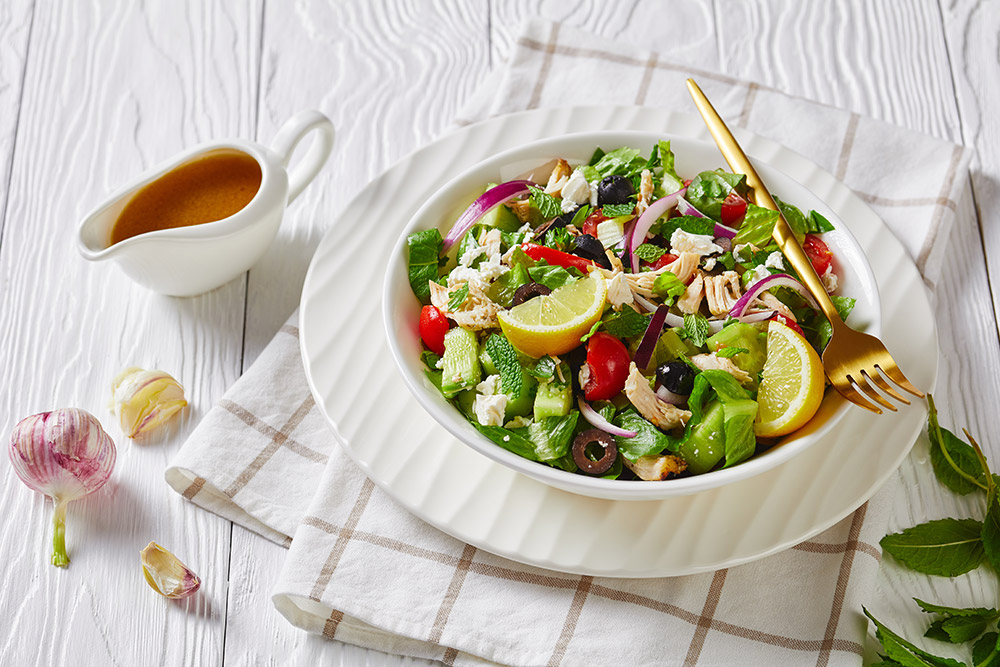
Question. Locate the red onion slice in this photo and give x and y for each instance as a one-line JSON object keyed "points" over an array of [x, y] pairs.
{"points": [[774, 280], [648, 343], [670, 397], [646, 220], [597, 421], [724, 232], [761, 316], [486, 202]]}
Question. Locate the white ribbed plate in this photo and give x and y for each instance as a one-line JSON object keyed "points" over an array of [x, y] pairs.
{"points": [[444, 482]]}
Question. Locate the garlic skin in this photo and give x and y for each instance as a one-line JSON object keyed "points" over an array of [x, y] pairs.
{"points": [[166, 574], [145, 399], [64, 454]]}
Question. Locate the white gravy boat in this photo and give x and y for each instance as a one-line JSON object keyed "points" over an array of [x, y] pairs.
{"points": [[185, 261]]}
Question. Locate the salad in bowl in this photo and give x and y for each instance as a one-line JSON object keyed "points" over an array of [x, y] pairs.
{"points": [[613, 318]]}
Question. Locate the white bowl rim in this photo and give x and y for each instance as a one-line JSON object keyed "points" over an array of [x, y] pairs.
{"points": [[455, 423]]}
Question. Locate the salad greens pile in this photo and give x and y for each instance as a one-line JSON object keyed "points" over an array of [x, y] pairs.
{"points": [[612, 321]]}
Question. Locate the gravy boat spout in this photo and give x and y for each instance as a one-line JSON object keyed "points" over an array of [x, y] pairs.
{"points": [[193, 259]]}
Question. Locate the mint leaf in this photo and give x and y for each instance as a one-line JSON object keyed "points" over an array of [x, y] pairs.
{"points": [[544, 369], [504, 357], [626, 324], [668, 287], [458, 297], [547, 205], [986, 652], [946, 547], [596, 157], [730, 352], [696, 328], [616, 210], [649, 252], [991, 529], [955, 462], [905, 653], [424, 249], [961, 629], [932, 608]]}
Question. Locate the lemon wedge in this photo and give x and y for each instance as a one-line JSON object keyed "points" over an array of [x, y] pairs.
{"points": [[553, 324], [792, 383]]}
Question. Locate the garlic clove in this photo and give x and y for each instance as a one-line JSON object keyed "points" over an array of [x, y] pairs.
{"points": [[145, 399], [166, 574]]}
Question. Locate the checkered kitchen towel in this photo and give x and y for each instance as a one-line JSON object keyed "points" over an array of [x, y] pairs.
{"points": [[364, 571]]}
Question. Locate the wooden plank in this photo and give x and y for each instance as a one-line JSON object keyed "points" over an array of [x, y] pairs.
{"points": [[15, 25], [391, 77], [111, 89], [971, 30]]}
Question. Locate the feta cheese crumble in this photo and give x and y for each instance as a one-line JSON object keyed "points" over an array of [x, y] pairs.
{"points": [[490, 409], [576, 191], [699, 244], [775, 261]]}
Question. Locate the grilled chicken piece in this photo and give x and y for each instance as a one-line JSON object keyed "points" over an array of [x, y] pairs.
{"points": [[655, 468], [558, 177], [645, 191], [690, 302], [713, 362], [722, 291], [522, 209], [660, 413], [774, 303], [476, 313], [684, 266], [619, 293]]}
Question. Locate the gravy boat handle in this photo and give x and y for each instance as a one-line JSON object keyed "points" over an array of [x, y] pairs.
{"points": [[291, 133]]}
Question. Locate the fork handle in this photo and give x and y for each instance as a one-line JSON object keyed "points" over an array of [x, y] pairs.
{"points": [[782, 233]]}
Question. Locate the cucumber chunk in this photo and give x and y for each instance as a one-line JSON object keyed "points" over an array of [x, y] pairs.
{"points": [[705, 447], [460, 363], [553, 399], [749, 338]]}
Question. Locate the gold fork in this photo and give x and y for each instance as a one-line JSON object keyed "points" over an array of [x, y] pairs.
{"points": [[852, 360]]}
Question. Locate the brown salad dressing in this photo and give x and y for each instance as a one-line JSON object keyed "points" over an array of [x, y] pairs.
{"points": [[210, 188]]}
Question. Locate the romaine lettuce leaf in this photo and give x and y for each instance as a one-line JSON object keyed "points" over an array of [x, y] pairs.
{"points": [[424, 249]]}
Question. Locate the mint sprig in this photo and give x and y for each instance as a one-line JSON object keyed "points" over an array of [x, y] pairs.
{"points": [[504, 357]]}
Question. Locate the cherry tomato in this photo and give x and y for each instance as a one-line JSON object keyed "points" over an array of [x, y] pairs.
{"points": [[818, 253], [607, 367], [557, 257], [734, 207], [433, 326], [667, 258], [595, 218], [791, 324]]}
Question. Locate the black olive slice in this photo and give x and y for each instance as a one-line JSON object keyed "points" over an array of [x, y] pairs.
{"points": [[724, 243], [589, 247], [529, 291], [614, 190], [600, 440]]}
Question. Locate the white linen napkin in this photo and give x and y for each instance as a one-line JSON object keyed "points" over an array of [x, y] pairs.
{"points": [[363, 570]]}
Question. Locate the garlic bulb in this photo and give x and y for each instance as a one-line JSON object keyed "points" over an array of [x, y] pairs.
{"points": [[64, 454], [166, 574], [145, 399]]}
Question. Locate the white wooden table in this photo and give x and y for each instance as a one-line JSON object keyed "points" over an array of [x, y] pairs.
{"points": [[93, 93]]}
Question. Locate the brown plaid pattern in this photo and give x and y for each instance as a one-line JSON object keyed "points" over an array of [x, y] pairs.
{"points": [[361, 570]]}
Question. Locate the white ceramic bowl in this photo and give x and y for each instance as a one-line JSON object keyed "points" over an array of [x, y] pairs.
{"points": [[401, 309]]}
